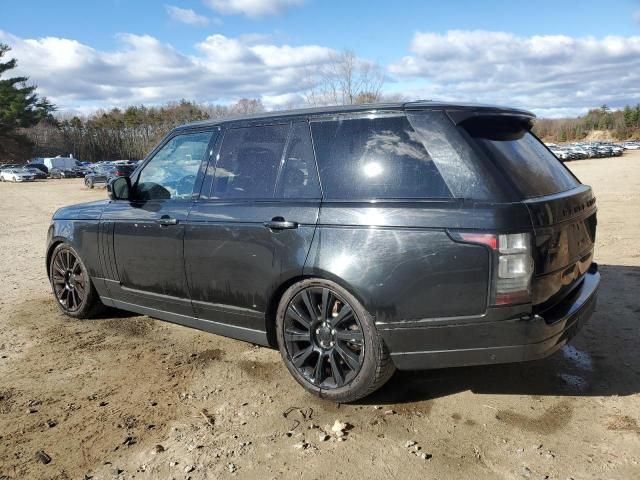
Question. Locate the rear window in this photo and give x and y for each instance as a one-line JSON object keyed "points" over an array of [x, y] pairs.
{"points": [[374, 158], [533, 169]]}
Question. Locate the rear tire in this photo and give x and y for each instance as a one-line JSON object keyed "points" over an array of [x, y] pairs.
{"points": [[72, 287], [335, 355]]}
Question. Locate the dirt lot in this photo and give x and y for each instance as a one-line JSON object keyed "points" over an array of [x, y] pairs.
{"points": [[125, 397]]}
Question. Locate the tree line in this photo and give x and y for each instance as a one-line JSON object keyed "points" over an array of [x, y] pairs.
{"points": [[124, 133], [618, 124]]}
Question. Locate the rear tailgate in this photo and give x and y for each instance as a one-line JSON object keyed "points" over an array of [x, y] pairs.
{"points": [[564, 235], [562, 210]]}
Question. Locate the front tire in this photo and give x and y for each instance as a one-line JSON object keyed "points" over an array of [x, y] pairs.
{"points": [[329, 342], [72, 287]]}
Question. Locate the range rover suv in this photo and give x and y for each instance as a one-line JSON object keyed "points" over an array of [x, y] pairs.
{"points": [[356, 240]]}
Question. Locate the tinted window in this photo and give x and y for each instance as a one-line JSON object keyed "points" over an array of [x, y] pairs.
{"points": [[249, 161], [533, 169], [299, 176], [456, 158], [367, 158], [172, 172]]}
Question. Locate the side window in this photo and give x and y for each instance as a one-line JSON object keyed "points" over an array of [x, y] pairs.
{"points": [[171, 173], [299, 176], [374, 158], [249, 161]]}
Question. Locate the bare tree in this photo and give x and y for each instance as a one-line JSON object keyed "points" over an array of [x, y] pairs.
{"points": [[246, 106], [345, 80]]}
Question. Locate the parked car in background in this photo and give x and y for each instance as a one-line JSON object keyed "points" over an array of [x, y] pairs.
{"points": [[59, 162], [99, 174], [583, 150], [81, 171], [631, 145], [63, 173], [15, 175], [124, 170], [40, 166], [8, 166], [36, 172], [355, 239]]}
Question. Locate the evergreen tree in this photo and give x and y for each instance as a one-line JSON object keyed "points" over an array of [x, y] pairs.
{"points": [[629, 116], [20, 107]]}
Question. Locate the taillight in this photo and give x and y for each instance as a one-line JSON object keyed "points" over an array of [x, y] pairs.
{"points": [[512, 264]]}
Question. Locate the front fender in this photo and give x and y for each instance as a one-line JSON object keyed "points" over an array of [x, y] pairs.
{"points": [[82, 235]]}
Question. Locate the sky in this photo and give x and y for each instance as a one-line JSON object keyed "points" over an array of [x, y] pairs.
{"points": [[556, 58]]}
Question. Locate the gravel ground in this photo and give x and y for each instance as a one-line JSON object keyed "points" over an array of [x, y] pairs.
{"points": [[132, 397]]}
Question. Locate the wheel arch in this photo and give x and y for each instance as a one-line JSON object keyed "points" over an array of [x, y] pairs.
{"points": [[52, 246]]}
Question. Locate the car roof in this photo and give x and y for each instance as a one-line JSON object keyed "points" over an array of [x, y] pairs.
{"points": [[369, 107]]}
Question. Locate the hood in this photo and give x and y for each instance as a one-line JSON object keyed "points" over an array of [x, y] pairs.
{"points": [[82, 211]]}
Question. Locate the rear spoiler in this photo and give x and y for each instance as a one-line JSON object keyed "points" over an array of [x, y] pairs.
{"points": [[519, 116], [494, 125]]}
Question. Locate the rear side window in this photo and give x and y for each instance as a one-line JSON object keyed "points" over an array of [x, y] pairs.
{"points": [[299, 176], [249, 162], [533, 169], [374, 158]]}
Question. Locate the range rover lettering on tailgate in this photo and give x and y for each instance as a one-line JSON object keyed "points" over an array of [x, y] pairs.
{"points": [[357, 240]]}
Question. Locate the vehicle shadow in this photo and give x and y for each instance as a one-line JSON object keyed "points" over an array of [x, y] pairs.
{"points": [[110, 313], [602, 360]]}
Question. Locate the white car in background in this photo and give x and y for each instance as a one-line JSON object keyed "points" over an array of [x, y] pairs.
{"points": [[15, 175]]}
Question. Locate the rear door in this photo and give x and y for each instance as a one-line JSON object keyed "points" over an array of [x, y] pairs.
{"points": [[562, 210], [253, 225]]}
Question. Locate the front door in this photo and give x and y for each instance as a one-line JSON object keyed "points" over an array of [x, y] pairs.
{"points": [[253, 225], [148, 230]]}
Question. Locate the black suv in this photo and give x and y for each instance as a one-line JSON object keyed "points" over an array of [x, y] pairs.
{"points": [[356, 240]]}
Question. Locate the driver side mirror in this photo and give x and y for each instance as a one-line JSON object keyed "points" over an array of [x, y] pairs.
{"points": [[119, 188]]}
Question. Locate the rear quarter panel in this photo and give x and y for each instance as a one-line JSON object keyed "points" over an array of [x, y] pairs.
{"points": [[399, 261]]}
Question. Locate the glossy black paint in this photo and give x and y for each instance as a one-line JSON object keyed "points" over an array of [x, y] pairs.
{"points": [[399, 264], [501, 336], [216, 265], [565, 229], [235, 263], [148, 254]]}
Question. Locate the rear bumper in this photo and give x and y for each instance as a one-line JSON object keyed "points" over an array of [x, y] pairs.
{"points": [[481, 342]]}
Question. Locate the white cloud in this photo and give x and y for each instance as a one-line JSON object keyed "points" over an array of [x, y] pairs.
{"points": [[186, 15], [252, 8], [552, 74], [143, 69]]}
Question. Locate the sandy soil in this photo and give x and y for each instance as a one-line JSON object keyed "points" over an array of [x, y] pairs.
{"points": [[132, 397]]}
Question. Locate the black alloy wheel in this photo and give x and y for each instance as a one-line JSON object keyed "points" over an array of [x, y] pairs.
{"points": [[329, 341], [70, 282], [323, 337]]}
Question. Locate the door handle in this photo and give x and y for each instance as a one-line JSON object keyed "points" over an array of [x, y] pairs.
{"points": [[166, 220], [279, 223]]}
